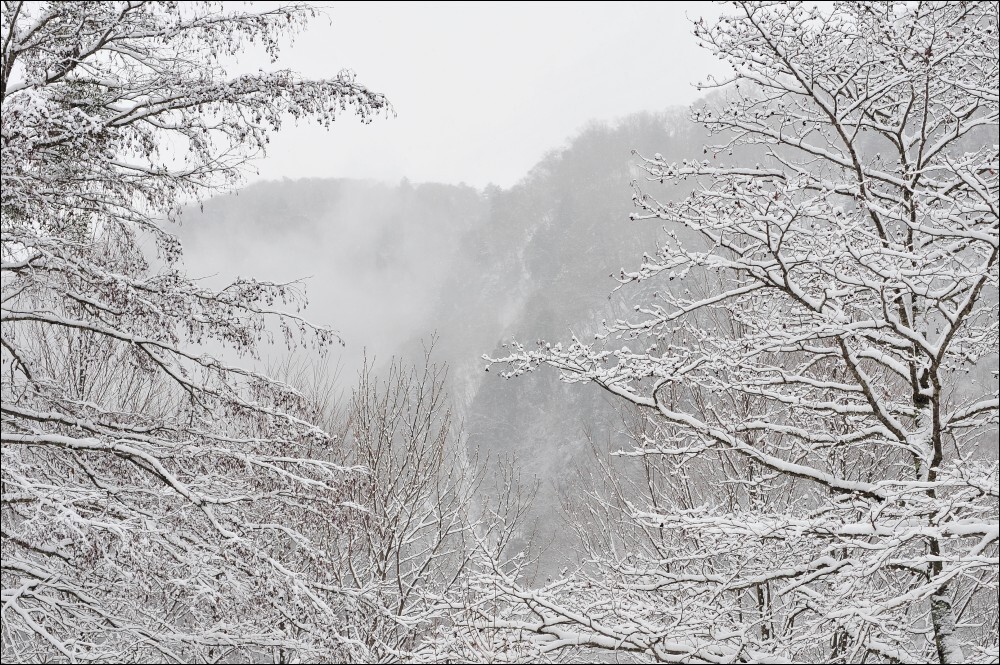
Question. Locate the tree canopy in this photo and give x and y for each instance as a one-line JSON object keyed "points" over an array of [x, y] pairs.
{"points": [[155, 497], [809, 323]]}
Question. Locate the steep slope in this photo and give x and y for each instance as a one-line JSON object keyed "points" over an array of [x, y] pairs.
{"points": [[392, 265], [540, 270]]}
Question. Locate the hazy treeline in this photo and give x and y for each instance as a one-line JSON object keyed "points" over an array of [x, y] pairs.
{"points": [[390, 266]]}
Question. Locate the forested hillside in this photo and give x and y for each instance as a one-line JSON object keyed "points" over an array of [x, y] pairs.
{"points": [[390, 267]]}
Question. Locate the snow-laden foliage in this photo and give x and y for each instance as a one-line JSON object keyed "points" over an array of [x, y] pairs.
{"points": [[814, 350], [432, 516], [155, 499]]}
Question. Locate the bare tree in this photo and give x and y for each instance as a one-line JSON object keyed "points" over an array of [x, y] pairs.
{"points": [[433, 512], [820, 424], [155, 498], [429, 513]]}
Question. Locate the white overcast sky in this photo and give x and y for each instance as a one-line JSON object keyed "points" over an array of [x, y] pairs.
{"points": [[482, 91]]}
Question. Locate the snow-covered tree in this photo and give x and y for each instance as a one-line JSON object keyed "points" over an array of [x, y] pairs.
{"points": [[814, 350], [437, 517], [432, 513], [154, 497]]}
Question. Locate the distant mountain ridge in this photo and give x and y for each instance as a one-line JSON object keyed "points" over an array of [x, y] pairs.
{"points": [[393, 264]]}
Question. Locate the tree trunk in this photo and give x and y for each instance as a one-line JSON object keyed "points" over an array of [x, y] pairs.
{"points": [[943, 618]]}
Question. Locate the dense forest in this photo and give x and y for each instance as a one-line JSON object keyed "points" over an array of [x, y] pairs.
{"points": [[714, 384]]}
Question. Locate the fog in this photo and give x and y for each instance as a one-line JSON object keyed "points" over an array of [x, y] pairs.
{"points": [[394, 266], [482, 90], [492, 203]]}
